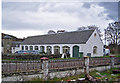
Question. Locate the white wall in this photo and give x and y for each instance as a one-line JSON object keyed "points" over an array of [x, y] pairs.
{"points": [[52, 45], [2, 49], [85, 48], [14, 49], [93, 41]]}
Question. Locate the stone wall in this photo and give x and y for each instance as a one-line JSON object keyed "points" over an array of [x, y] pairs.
{"points": [[48, 74]]}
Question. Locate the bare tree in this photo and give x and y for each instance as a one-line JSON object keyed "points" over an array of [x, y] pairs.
{"points": [[51, 32], [91, 27], [112, 33], [82, 28]]}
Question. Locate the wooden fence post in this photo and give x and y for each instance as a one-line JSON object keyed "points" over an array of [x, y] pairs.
{"points": [[45, 68], [86, 65], [112, 61]]}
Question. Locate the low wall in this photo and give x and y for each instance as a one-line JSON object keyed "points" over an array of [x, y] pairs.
{"points": [[48, 69], [58, 74]]}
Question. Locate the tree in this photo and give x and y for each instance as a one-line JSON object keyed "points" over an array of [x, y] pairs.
{"points": [[92, 27], [51, 32], [112, 33], [82, 28]]}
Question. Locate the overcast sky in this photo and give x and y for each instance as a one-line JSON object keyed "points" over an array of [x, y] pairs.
{"points": [[23, 19]]}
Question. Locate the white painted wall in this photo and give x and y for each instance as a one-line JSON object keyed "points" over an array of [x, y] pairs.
{"points": [[85, 48], [93, 41], [2, 49], [52, 45], [14, 49]]}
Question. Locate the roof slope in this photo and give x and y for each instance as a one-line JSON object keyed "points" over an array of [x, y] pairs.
{"points": [[7, 36], [76, 37], [14, 43]]}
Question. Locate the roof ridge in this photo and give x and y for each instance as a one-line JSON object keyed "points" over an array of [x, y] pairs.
{"points": [[61, 33], [77, 37]]}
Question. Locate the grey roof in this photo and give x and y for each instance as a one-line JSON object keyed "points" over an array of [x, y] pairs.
{"points": [[76, 37], [7, 37], [14, 43]]}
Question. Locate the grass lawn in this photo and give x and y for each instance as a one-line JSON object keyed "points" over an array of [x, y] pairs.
{"points": [[100, 75], [118, 55], [38, 59], [106, 56]]}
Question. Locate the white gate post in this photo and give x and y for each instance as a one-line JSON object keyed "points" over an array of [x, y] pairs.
{"points": [[112, 61], [86, 65], [45, 68]]}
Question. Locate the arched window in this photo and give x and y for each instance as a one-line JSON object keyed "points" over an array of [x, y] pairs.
{"points": [[41, 48], [31, 47], [22, 47], [56, 50], [36, 47], [26, 47], [95, 34], [95, 50], [66, 49], [49, 50]]}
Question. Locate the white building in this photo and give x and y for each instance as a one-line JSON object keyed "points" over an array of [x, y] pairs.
{"points": [[77, 43], [15, 46], [2, 49]]}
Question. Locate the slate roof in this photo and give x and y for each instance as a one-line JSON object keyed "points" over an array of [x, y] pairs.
{"points": [[14, 43], [76, 37], [7, 37]]}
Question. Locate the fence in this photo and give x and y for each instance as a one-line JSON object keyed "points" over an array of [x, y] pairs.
{"points": [[99, 61], [14, 67], [116, 60], [65, 64]]}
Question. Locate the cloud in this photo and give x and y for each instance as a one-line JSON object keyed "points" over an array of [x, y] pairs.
{"points": [[111, 9], [47, 16], [23, 33]]}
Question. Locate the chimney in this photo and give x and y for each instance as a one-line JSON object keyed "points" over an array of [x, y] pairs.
{"points": [[60, 31]]}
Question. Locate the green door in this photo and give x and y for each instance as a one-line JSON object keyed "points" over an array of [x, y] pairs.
{"points": [[76, 51], [81, 54]]}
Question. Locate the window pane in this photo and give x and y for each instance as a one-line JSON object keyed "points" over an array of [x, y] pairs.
{"points": [[22, 47], [31, 47], [66, 49], [95, 50], [41, 48], [36, 47], [49, 50], [56, 50], [26, 47]]}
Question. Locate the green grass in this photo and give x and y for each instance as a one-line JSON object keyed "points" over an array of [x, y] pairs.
{"points": [[101, 57], [62, 58], [60, 79], [118, 55], [38, 59], [103, 76], [106, 75], [106, 56], [68, 78]]}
